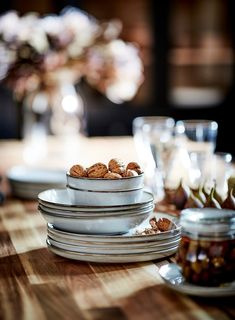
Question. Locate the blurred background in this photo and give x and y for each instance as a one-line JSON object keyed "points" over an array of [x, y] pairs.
{"points": [[187, 49]]}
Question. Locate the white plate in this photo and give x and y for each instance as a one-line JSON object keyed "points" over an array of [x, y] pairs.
{"points": [[96, 225], [117, 246], [174, 279], [58, 198], [30, 175], [93, 209], [128, 237], [111, 258], [27, 183], [130, 249]]}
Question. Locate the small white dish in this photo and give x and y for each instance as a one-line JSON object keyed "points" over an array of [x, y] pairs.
{"points": [[98, 184], [58, 198], [111, 258], [104, 198], [171, 274]]}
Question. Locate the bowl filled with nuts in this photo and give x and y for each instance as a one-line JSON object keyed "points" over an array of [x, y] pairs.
{"points": [[101, 184], [116, 176]]}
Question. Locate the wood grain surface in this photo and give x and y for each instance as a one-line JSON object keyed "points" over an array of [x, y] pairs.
{"points": [[36, 284]]}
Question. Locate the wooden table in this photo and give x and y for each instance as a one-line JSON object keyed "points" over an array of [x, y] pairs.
{"points": [[36, 284]]}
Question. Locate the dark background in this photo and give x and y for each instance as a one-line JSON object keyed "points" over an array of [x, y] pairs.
{"points": [[184, 45]]}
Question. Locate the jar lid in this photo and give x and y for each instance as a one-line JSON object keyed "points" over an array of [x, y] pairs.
{"points": [[208, 221]]}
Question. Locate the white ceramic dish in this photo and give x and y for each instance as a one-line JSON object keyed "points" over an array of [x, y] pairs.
{"points": [[25, 193], [34, 176], [27, 183], [96, 214], [127, 238], [104, 198], [111, 258], [112, 249], [113, 245], [174, 279], [96, 225], [58, 198], [128, 183]]}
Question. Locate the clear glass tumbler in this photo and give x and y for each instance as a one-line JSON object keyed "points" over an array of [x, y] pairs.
{"points": [[153, 137], [199, 138]]}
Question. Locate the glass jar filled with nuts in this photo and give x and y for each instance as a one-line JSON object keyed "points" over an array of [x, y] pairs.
{"points": [[206, 252]]}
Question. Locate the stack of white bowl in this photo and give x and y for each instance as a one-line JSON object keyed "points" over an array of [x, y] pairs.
{"points": [[57, 209], [105, 192], [102, 210]]}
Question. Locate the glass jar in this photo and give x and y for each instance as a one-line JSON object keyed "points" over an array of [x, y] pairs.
{"points": [[206, 252]]}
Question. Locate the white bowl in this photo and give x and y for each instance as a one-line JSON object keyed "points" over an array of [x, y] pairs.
{"points": [[92, 184], [96, 225], [105, 198]]}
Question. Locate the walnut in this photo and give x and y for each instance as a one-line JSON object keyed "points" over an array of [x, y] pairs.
{"points": [[164, 224], [78, 171], [116, 166], [97, 170], [130, 173], [112, 175], [134, 166]]}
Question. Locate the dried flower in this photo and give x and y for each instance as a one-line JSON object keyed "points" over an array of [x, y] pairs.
{"points": [[36, 50]]}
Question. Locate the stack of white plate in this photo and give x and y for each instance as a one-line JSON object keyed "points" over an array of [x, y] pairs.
{"points": [[110, 234], [128, 247], [28, 182]]}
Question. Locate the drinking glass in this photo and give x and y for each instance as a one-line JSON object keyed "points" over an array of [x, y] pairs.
{"points": [[153, 137], [217, 170], [199, 138]]}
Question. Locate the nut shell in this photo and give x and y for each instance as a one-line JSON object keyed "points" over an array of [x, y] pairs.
{"points": [[164, 224], [97, 170], [134, 166], [117, 166], [112, 175], [130, 173], [78, 171]]}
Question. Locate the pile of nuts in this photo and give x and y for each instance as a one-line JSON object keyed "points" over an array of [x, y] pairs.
{"points": [[157, 226], [116, 169]]}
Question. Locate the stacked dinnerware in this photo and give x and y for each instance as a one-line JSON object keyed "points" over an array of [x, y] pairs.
{"points": [[129, 247], [100, 220], [26, 182], [57, 209]]}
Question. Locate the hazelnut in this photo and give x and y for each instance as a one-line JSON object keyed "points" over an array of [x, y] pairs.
{"points": [[78, 171], [112, 175], [116, 166], [97, 170], [130, 173], [134, 166]]}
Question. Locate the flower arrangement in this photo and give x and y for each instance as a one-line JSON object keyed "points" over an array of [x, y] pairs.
{"points": [[37, 50]]}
